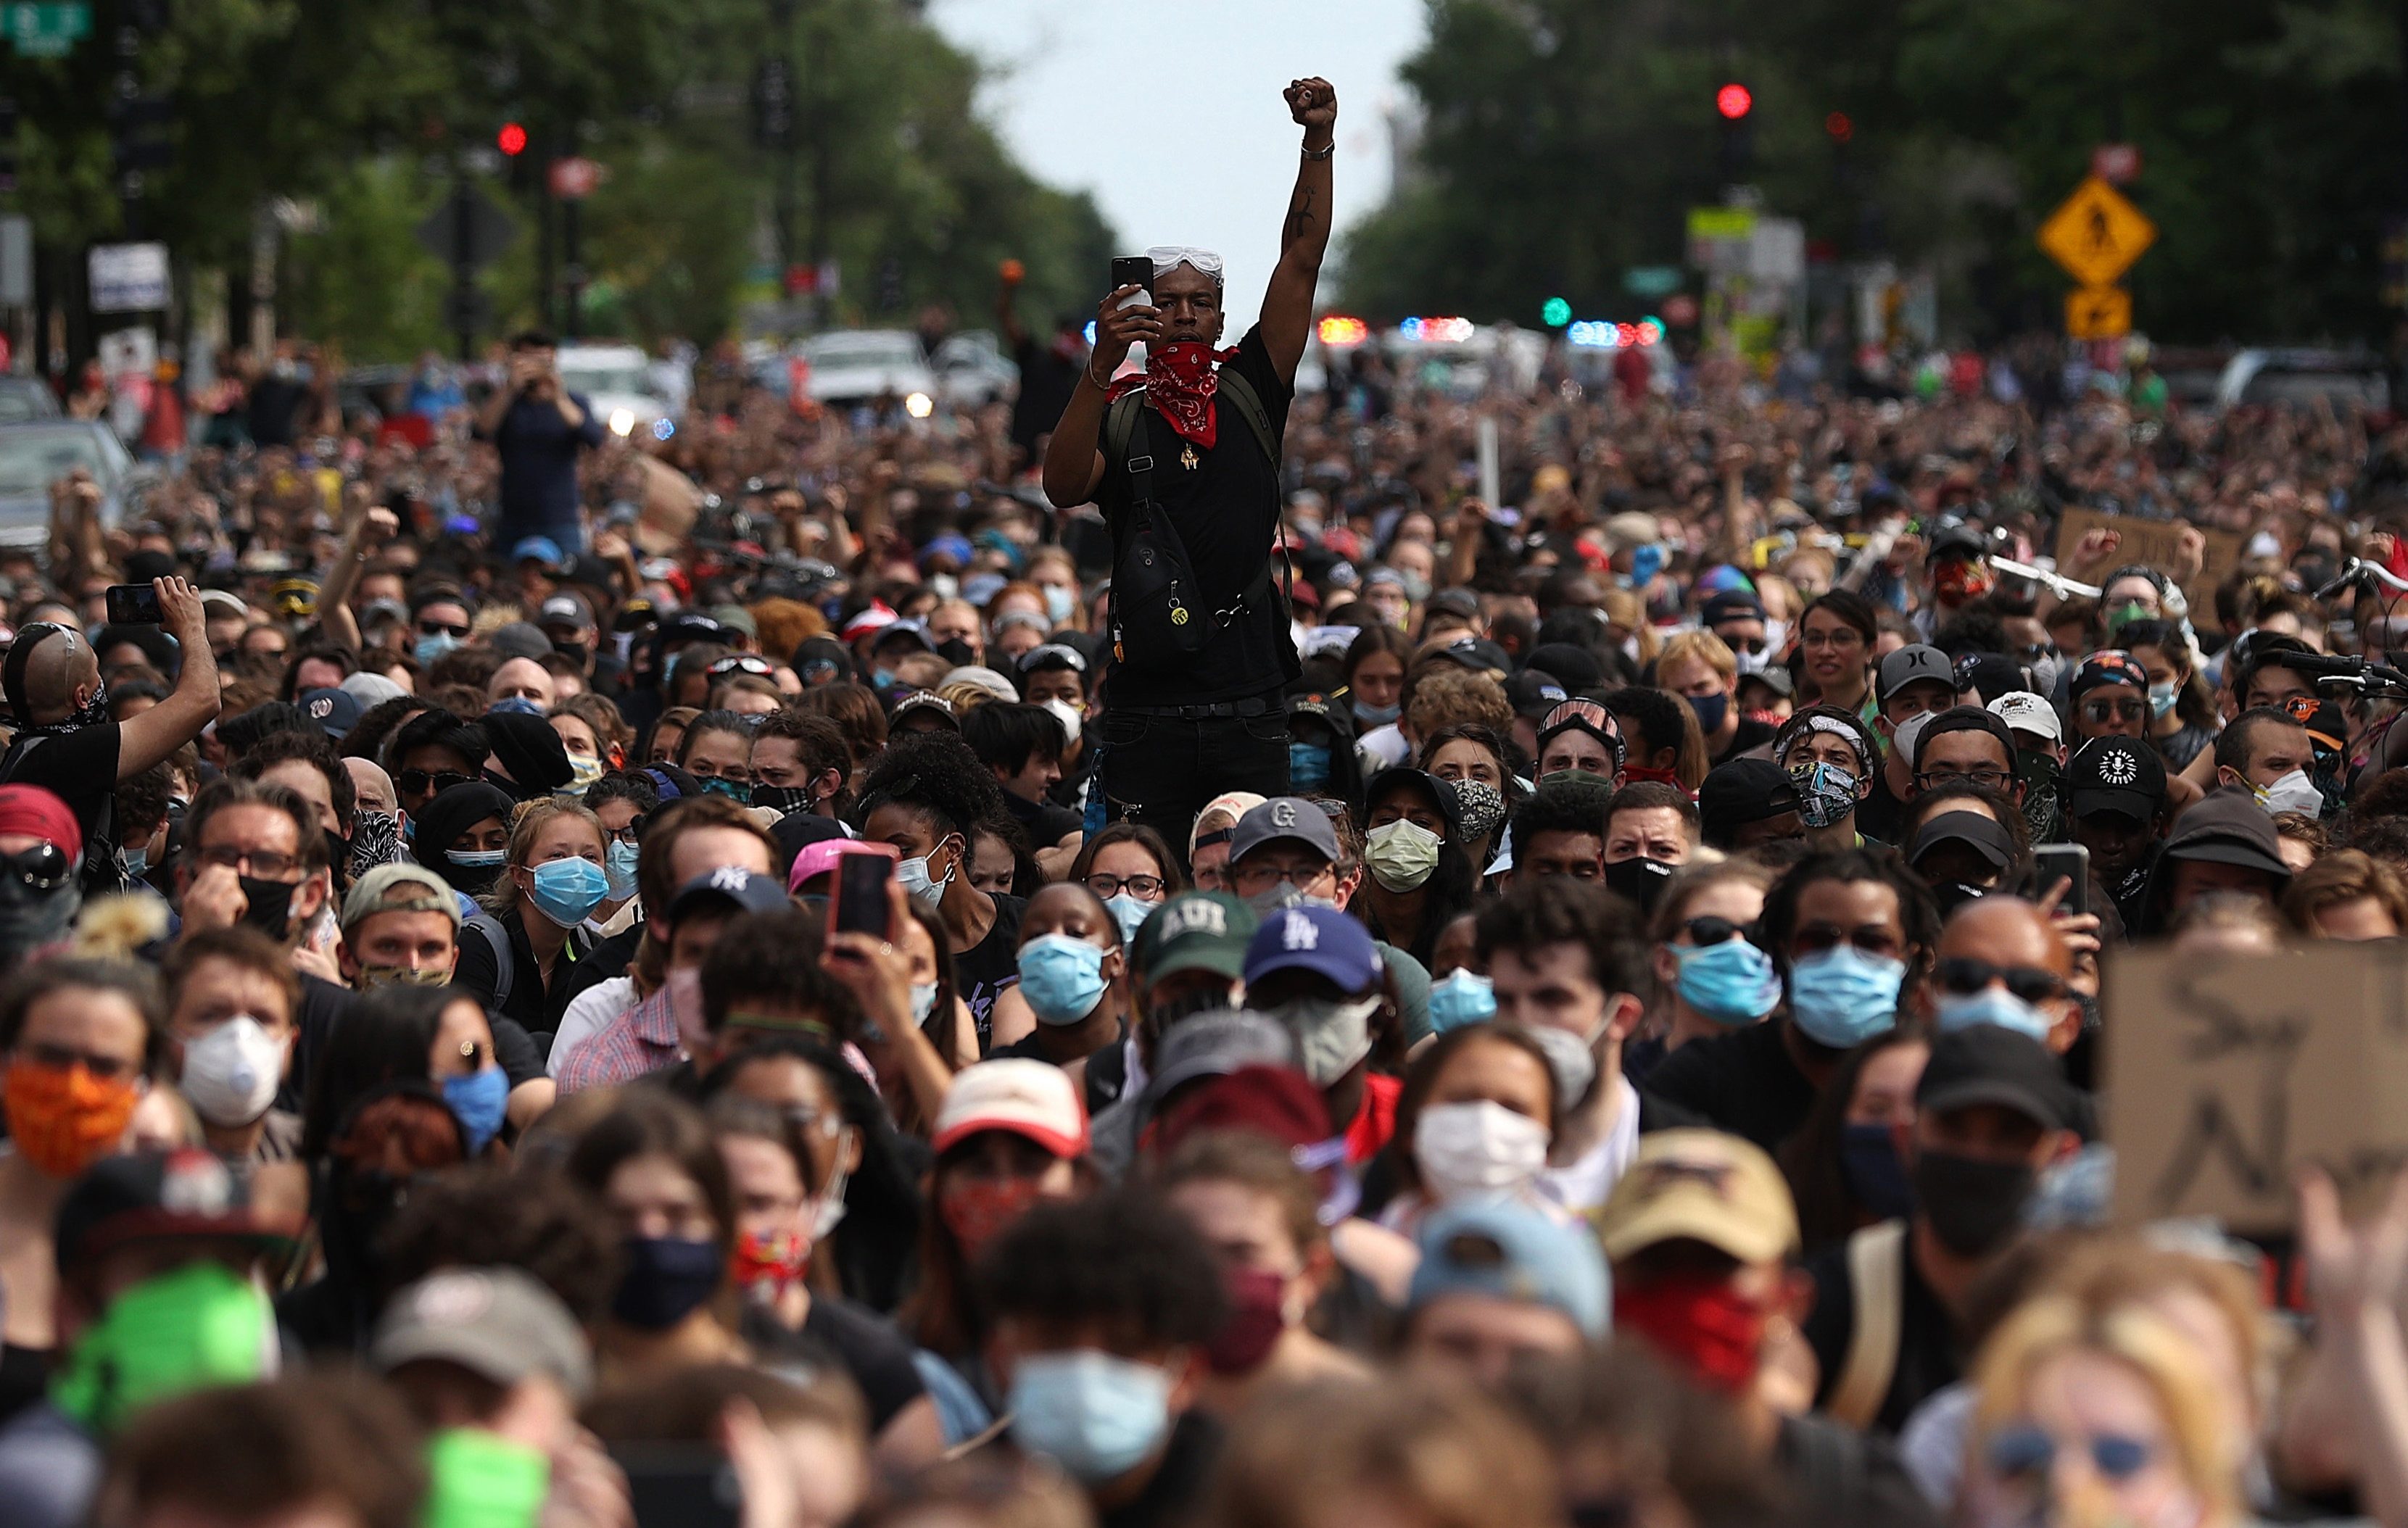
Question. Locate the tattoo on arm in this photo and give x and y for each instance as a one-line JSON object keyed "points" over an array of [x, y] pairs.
{"points": [[1299, 216]]}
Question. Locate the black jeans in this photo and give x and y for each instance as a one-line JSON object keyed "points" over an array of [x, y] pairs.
{"points": [[1160, 770]]}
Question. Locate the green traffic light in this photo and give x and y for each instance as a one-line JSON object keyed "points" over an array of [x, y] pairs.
{"points": [[1557, 311]]}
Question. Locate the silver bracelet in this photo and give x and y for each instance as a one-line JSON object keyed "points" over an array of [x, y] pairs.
{"points": [[1320, 154]]}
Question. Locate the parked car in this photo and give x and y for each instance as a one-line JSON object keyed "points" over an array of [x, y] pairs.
{"points": [[27, 398], [2301, 376], [972, 369], [848, 365], [618, 382], [35, 455]]}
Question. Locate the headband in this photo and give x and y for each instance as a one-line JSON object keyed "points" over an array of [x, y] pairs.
{"points": [[1836, 728], [1168, 257]]}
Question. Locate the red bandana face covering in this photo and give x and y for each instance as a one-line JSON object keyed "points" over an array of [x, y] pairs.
{"points": [[1180, 382]]}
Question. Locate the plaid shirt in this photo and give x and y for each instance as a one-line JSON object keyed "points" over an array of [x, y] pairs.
{"points": [[640, 1040]]}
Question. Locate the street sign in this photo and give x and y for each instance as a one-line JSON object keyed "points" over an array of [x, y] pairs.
{"points": [[1652, 281], [127, 278], [490, 230], [574, 179], [2096, 234], [2117, 163], [2099, 313], [46, 31]]}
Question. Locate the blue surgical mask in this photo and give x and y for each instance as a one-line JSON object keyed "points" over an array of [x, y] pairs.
{"points": [[433, 646], [619, 863], [1096, 1415], [1992, 1005], [1842, 997], [478, 1099], [2161, 700], [1377, 716], [1711, 710], [923, 1001], [567, 890], [1464, 998], [1062, 977], [1060, 605], [138, 859], [1308, 766], [1130, 914], [1731, 984], [476, 859]]}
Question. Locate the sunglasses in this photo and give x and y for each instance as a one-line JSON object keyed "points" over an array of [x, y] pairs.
{"points": [[45, 867], [424, 782], [2108, 708], [440, 628], [1965, 974], [2026, 1452], [1873, 940], [1708, 930], [739, 663]]}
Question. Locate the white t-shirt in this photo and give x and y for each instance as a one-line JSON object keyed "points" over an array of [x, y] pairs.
{"points": [[1584, 1183], [588, 1014]]}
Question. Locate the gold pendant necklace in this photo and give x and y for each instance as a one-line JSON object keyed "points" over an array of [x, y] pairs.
{"points": [[1187, 458]]}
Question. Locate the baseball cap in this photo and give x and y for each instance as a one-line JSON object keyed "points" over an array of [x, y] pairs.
{"points": [[1048, 655], [1741, 791], [1916, 664], [1990, 675], [2025, 713], [1958, 540], [2229, 827], [1284, 817], [1990, 1064], [1632, 528], [901, 634], [1476, 653], [873, 618], [155, 1196], [1962, 718], [499, 1323], [818, 858], [2115, 774], [538, 549], [1439, 792], [398, 888], [370, 690], [1967, 827], [520, 639], [2109, 665], [1700, 1185], [1506, 1249], [1019, 1095], [936, 705], [1321, 940], [1235, 804], [1454, 601], [1279, 1102], [1533, 695], [986, 679], [1730, 605], [565, 610], [224, 599], [336, 711], [1216, 1044], [729, 883], [1196, 931]]}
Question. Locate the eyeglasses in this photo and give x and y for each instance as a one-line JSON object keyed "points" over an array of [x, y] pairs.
{"points": [[59, 1058], [1144, 888], [266, 864], [1964, 975], [1261, 877], [1987, 777], [632, 833], [1837, 636], [1750, 645], [1873, 938], [738, 662], [1708, 930], [44, 867], [2113, 708], [2022, 1453], [423, 782], [441, 628]]}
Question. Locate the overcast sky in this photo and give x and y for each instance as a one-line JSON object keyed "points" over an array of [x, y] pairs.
{"points": [[1171, 113]]}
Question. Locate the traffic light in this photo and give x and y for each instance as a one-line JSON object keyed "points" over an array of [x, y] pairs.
{"points": [[1733, 101], [511, 140], [1840, 128], [1557, 312]]}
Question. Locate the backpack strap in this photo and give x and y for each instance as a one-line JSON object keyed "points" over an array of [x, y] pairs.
{"points": [[497, 938], [1122, 424], [1877, 1280], [1241, 392]]}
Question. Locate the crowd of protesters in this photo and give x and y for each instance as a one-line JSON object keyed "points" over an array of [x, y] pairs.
{"points": [[569, 981]]}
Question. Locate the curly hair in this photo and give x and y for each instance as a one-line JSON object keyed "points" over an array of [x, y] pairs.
{"points": [[1450, 695], [1123, 1262], [1916, 913], [935, 773]]}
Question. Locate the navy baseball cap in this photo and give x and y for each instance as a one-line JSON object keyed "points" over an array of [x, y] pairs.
{"points": [[337, 711], [1322, 940], [730, 883]]}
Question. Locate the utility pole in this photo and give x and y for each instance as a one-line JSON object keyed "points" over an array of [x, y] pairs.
{"points": [[823, 163]]}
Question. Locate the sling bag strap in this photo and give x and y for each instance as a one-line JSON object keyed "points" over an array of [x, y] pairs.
{"points": [[1877, 1280]]}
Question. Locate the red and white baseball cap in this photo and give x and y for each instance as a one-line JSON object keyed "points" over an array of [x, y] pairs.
{"points": [[1033, 1099], [877, 617]]}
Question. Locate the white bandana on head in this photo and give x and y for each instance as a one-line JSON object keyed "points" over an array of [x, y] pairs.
{"points": [[1168, 257]]}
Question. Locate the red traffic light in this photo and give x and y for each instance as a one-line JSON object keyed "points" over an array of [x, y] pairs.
{"points": [[511, 140], [1839, 127], [1733, 101]]}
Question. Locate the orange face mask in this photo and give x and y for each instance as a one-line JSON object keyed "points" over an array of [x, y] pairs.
{"points": [[64, 1119]]}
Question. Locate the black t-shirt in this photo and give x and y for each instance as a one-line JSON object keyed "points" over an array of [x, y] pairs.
{"points": [[1844, 1479], [983, 971], [868, 1346], [1928, 1355], [1046, 383], [1175, 1494], [1750, 736], [1047, 824], [1225, 510], [80, 769], [1742, 1082]]}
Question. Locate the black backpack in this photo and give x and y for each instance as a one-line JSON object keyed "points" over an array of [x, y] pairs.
{"points": [[1155, 593]]}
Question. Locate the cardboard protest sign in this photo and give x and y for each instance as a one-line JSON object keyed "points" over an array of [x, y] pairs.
{"points": [[2226, 1074], [2154, 543]]}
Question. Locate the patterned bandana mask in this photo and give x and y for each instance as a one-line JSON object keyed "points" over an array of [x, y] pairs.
{"points": [[1180, 382], [1481, 807]]}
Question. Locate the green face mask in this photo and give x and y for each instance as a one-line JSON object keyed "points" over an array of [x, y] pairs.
{"points": [[479, 1479], [202, 1324], [2126, 613]]}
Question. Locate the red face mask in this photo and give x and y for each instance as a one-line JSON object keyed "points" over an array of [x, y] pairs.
{"points": [[1701, 1321], [979, 1209], [1960, 579], [1632, 773], [1180, 382], [771, 1264], [1257, 1316]]}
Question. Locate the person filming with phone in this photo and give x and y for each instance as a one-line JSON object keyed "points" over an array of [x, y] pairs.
{"points": [[537, 426], [61, 737], [1183, 461]]}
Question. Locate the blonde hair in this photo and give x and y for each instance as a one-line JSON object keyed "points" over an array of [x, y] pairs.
{"points": [[526, 823], [1705, 647], [1624, 607], [2053, 1326]]}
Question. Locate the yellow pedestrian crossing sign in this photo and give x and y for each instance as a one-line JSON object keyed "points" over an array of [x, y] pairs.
{"points": [[2099, 313], [2096, 234]]}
